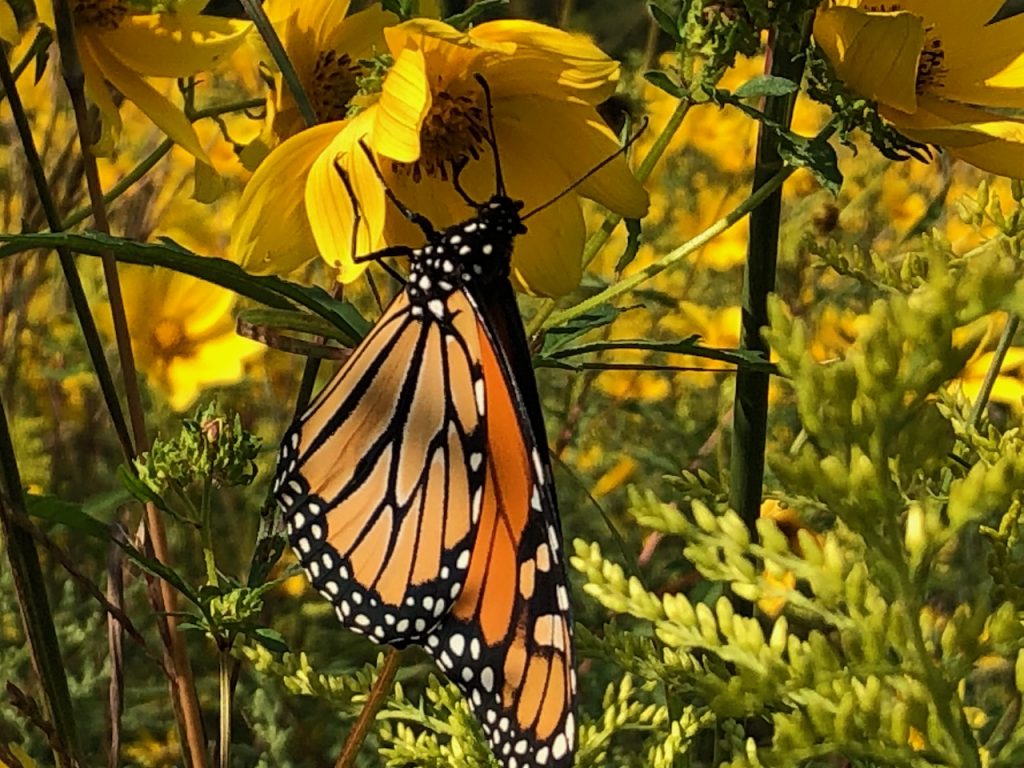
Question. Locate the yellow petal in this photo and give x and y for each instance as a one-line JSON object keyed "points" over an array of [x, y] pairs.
{"points": [[404, 102], [545, 55], [8, 24], [989, 141], [271, 232], [98, 92], [546, 260], [168, 118], [572, 137], [329, 205], [875, 54], [44, 11], [174, 44], [361, 35], [216, 362]]}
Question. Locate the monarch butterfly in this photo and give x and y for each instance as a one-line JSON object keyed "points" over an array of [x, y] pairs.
{"points": [[418, 495]]}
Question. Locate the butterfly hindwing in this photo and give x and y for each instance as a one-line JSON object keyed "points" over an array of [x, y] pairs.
{"points": [[508, 642], [379, 478]]}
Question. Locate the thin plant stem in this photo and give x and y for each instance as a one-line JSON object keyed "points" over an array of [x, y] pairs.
{"points": [[225, 708], [149, 161], [67, 263], [750, 406], [992, 374], [254, 10], [597, 240], [374, 701], [41, 43], [182, 687], [34, 605], [673, 257]]}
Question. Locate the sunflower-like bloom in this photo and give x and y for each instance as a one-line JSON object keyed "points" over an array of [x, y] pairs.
{"points": [[940, 74], [183, 333], [430, 118], [327, 48], [119, 45]]}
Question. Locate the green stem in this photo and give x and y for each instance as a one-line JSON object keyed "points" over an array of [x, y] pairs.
{"points": [[150, 160], [206, 523], [67, 263], [254, 10], [750, 409], [41, 43], [34, 605], [224, 656], [673, 257], [992, 374]]}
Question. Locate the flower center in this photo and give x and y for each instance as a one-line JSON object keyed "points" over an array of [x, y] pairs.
{"points": [[452, 133], [101, 14], [170, 340], [334, 85], [931, 67]]}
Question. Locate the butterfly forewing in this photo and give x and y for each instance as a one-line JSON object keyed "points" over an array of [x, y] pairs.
{"points": [[378, 479]]}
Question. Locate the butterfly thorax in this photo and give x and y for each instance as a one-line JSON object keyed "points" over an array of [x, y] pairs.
{"points": [[476, 250]]}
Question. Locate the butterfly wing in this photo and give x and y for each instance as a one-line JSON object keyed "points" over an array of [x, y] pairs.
{"points": [[381, 480], [508, 641]]}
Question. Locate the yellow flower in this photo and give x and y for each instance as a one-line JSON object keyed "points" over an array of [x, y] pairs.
{"points": [[183, 333], [9, 31], [121, 46], [325, 47], [1009, 384], [938, 73], [430, 118]]}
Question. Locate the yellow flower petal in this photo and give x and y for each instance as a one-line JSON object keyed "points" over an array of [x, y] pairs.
{"points": [[329, 206], [271, 233], [98, 92], [361, 34], [8, 24], [572, 137], [404, 102], [173, 44], [988, 141], [876, 54], [168, 118], [44, 11], [545, 55], [982, 63]]}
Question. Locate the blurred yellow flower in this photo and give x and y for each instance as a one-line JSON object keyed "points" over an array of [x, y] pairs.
{"points": [[1009, 385], [122, 46], [9, 31], [430, 119], [939, 73], [183, 333]]}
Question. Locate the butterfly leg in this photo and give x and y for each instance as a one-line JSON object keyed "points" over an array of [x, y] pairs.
{"points": [[418, 219]]}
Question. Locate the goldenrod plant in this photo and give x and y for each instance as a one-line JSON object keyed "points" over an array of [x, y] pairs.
{"points": [[776, 341]]}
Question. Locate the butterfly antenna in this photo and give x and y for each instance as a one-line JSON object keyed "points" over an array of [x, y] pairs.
{"points": [[492, 138], [418, 219], [621, 150]]}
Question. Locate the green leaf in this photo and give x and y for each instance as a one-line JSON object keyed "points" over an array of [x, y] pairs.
{"points": [[478, 11], [633, 232], [819, 157], [74, 516], [689, 346], [765, 85], [69, 514], [270, 639], [270, 290], [664, 81], [665, 22], [558, 337]]}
